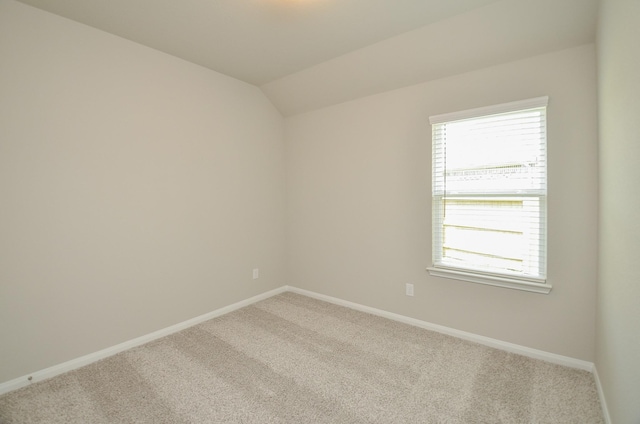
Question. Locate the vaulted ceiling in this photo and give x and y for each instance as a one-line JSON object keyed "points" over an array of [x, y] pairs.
{"points": [[306, 54]]}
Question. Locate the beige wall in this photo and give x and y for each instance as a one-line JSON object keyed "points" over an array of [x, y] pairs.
{"points": [[359, 210], [618, 319], [137, 190]]}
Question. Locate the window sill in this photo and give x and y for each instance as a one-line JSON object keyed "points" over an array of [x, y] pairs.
{"points": [[491, 280]]}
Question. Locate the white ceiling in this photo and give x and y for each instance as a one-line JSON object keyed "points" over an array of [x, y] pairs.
{"points": [[501, 32], [310, 53]]}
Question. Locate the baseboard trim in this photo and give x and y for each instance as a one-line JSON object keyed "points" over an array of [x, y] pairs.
{"points": [[487, 341], [73, 364], [603, 401]]}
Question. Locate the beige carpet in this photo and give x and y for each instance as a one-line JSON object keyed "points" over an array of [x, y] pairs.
{"points": [[292, 359]]}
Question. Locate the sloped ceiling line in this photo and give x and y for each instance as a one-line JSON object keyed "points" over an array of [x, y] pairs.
{"points": [[306, 54]]}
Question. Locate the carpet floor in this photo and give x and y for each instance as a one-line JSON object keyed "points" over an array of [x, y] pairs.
{"points": [[293, 359]]}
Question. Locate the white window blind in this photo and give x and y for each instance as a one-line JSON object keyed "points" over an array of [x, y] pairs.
{"points": [[489, 194]]}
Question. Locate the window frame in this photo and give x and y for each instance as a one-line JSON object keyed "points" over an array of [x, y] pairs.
{"points": [[507, 280]]}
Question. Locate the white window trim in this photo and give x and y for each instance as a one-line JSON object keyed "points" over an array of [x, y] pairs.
{"points": [[490, 110], [529, 285], [532, 285]]}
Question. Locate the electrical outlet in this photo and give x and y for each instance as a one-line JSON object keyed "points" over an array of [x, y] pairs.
{"points": [[409, 289], [256, 273]]}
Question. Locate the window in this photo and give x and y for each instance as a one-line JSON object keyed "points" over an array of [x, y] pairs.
{"points": [[490, 194]]}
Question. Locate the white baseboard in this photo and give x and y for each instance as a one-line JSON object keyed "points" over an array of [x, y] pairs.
{"points": [[603, 401], [487, 341], [498, 344], [96, 356]]}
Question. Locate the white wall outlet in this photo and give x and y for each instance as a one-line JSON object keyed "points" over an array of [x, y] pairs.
{"points": [[409, 289], [256, 273]]}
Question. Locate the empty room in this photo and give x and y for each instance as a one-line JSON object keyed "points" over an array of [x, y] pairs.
{"points": [[319, 211]]}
